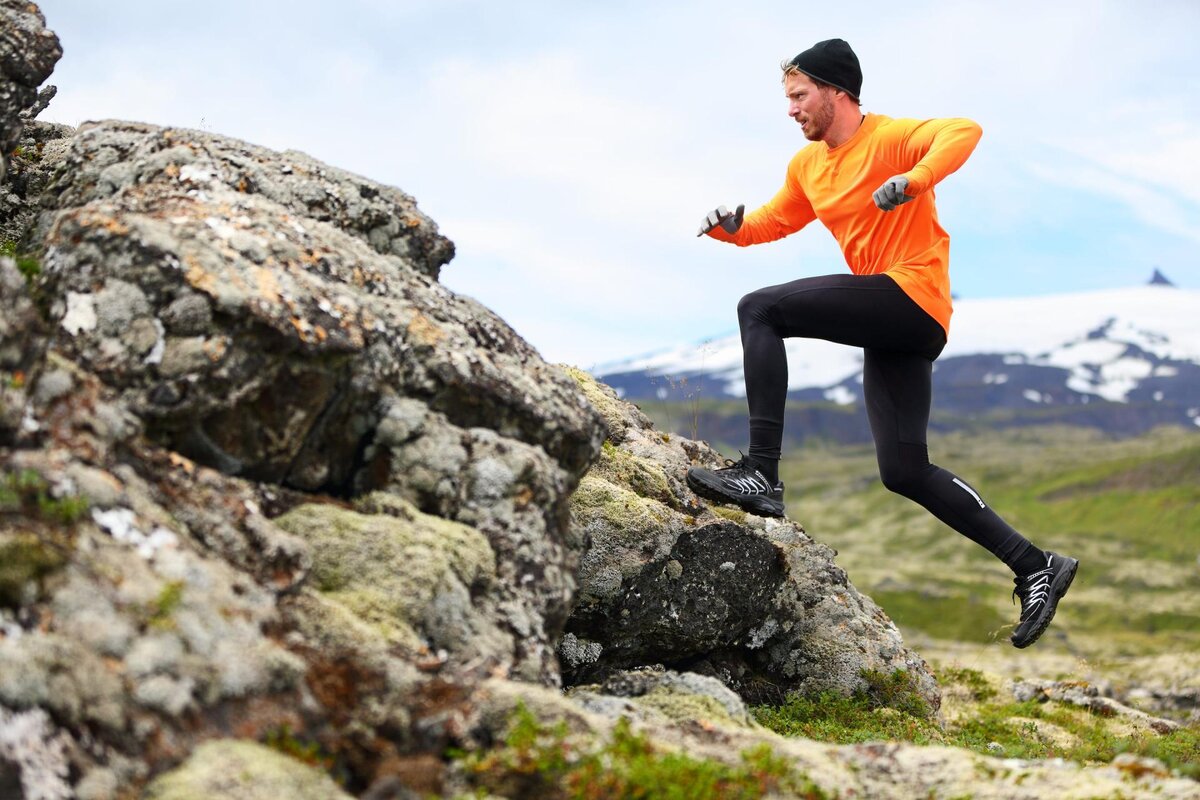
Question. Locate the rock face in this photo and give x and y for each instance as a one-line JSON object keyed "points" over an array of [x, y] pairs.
{"points": [[260, 474], [668, 579], [28, 53], [257, 313]]}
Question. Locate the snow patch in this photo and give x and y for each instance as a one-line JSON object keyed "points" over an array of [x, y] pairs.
{"points": [[840, 395]]}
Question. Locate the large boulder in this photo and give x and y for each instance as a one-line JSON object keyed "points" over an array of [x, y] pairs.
{"points": [[261, 476], [669, 579], [278, 320]]}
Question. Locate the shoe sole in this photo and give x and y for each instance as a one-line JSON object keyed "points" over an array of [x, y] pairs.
{"points": [[1058, 587], [759, 504]]}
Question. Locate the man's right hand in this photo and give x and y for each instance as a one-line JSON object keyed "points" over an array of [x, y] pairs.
{"points": [[721, 216]]}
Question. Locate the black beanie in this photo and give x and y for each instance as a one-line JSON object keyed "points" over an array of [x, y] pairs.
{"points": [[833, 62]]}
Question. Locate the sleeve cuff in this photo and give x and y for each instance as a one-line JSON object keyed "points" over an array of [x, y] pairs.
{"points": [[919, 179]]}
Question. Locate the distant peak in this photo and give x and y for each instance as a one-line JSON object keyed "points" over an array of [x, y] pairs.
{"points": [[1158, 279]]}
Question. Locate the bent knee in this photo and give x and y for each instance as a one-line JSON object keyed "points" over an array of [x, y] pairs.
{"points": [[903, 481], [754, 306]]}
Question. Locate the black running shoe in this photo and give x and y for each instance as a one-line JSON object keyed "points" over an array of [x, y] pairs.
{"points": [[1040, 592], [740, 483]]}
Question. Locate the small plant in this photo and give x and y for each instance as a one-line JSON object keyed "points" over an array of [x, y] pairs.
{"points": [[28, 265], [972, 679], [27, 492], [889, 707], [283, 740], [539, 761], [164, 606]]}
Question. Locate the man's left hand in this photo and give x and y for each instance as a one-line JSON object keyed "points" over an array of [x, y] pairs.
{"points": [[891, 194]]}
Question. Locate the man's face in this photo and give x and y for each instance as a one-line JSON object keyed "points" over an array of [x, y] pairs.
{"points": [[810, 105]]}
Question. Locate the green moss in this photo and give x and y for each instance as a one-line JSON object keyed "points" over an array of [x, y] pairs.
{"points": [[283, 740], [885, 712], [387, 569], [609, 406], [640, 475], [888, 708], [539, 761], [731, 514], [26, 492], [245, 770], [24, 559], [688, 707], [973, 679], [28, 265], [163, 608], [622, 511]]}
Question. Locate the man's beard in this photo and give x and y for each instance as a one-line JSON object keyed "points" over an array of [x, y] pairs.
{"points": [[820, 120]]}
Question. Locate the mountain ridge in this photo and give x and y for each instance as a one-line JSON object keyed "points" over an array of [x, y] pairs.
{"points": [[1136, 350]]}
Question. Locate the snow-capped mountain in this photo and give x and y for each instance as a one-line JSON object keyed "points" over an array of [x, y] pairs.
{"points": [[1126, 349]]}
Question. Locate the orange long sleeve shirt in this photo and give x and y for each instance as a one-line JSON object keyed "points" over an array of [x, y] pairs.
{"points": [[835, 186]]}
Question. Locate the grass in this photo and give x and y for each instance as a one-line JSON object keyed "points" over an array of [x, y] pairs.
{"points": [[1128, 509], [990, 725], [543, 761]]}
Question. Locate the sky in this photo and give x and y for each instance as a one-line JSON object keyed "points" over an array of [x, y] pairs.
{"points": [[571, 149]]}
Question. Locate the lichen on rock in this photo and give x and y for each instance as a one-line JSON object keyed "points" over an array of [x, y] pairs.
{"points": [[241, 770]]}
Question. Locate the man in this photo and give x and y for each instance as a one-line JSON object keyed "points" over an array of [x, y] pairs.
{"points": [[869, 179]]}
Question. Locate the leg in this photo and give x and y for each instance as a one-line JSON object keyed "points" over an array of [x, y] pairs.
{"points": [[862, 311], [898, 388]]}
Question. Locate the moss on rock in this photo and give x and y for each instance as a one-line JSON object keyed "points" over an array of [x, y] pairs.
{"points": [[392, 570], [619, 510], [605, 402], [241, 770], [25, 559], [641, 475]]}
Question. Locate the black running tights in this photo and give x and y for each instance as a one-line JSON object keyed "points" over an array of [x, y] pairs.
{"points": [[900, 342]]}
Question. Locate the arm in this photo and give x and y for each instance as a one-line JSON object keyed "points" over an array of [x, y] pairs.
{"points": [[935, 148], [787, 212]]}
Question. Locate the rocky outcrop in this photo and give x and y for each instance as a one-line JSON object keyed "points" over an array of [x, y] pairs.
{"points": [[238, 302], [261, 476], [668, 579], [28, 53]]}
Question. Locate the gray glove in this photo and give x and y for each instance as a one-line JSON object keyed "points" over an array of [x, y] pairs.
{"points": [[721, 216], [891, 194]]}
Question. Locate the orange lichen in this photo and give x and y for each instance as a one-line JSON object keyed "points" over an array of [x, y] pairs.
{"points": [[423, 331]]}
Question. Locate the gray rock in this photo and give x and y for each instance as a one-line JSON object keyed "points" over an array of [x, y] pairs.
{"points": [[28, 53], [754, 602], [33, 760]]}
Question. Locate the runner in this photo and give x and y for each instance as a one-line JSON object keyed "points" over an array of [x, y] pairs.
{"points": [[869, 179]]}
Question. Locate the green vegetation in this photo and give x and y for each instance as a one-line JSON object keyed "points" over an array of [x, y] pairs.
{"points": [[29, 266], [40, 545], [27, 492], [890, 708], [283, 740], [1028, 730], [24, 560], [164, 606], [1128, 509], [541, 761]]}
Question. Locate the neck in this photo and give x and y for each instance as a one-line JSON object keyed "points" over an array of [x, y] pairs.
{"points": [[845, 124]]}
